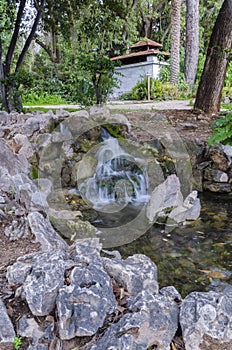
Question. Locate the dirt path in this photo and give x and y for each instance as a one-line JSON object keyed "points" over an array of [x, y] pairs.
{"points": [[129, 105], [150, 105]]}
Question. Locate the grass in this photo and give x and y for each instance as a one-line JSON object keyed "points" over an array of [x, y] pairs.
{"points": [[32, 99], [226, 106], [44, 109], [17, 343]]}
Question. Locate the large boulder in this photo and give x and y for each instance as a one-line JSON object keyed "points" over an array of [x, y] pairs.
{"points": [[44, 233], [86, 251], [219, 158], [42, 275], [83, 305], [219, 187], [189, 211], [22, 190], [28, 327], [12, 162], [164, 197], [41, 122], [152, 321], [135, 274], [167, 202], [69, 224], [21, 145], [7, 333], [102, 115], [215, 175], [206, 320], [87, 298], [17, 229]]}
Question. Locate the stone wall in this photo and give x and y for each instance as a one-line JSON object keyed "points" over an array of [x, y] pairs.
{"points": [[212, 166], [129, 75]]}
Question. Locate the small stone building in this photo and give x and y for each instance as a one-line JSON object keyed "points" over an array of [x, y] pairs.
{"points": [[143, 60]]}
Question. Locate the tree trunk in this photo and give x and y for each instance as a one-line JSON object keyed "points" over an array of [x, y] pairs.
{"points": [[192, 41], [98, 88], [2, 88], [11, 99], [175, 40], [213, 77], [230, 6], [2, 77]]}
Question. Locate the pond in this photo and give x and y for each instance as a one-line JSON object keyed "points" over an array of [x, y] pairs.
{"points": [[194, 257]]}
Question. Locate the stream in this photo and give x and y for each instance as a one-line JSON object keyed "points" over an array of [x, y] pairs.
{"points": [[194, 257]]}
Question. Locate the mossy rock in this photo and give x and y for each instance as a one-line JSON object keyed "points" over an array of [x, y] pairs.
{"points": [[72, 228], [115, 130]]}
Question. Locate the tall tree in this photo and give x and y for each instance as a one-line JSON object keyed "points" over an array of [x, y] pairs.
{"points": [[212, 79], [230, 6], [192, 41], [89, 31], [175, 40], [8, 68]]}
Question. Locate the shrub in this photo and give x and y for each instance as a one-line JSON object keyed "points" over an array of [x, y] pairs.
{"points": [[164, 74], [33, 98], [222, 131], [227, 92], [163, 91], [159, 90], [139, 91], [126, 96]]}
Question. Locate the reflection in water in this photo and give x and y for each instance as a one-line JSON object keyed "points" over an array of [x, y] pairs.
{"points": [[197, 256]]}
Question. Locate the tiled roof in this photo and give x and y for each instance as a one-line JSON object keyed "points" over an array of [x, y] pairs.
{"points": [[147, 42], [139, 54]]}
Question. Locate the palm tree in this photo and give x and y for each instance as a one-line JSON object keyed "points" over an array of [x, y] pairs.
{"points": [[175, 40]]}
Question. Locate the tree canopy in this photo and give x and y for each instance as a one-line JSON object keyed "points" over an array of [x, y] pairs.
{"points": [[64, 47]]}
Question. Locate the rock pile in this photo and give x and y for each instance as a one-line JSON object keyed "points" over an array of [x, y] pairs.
{"points": [[211, 166], [75, 292], [77, 296]]}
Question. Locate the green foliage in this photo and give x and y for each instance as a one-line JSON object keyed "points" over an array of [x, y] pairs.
{"points": [[181, 90], [126, 96], [78, 69], [139, 91], [164, 74], [33, 99], [45, 110], [99, 73], [34, 172], [200, 66], [208, 11], [7, 16], [114, 130], [17, 343], [228, 79], [222, 131], [227, 91], [159, 90]]}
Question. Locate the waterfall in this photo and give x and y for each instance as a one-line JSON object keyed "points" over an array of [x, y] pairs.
{"points": [[64, 129], [119, 177]]}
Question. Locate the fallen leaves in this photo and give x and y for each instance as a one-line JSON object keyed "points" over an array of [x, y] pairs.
{"points": [[215, 274]]}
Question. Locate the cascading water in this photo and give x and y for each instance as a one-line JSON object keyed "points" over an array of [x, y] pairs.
{"points": [[119, 177]]}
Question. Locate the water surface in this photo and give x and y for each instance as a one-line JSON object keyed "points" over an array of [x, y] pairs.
{"points": [[194, 257]]}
